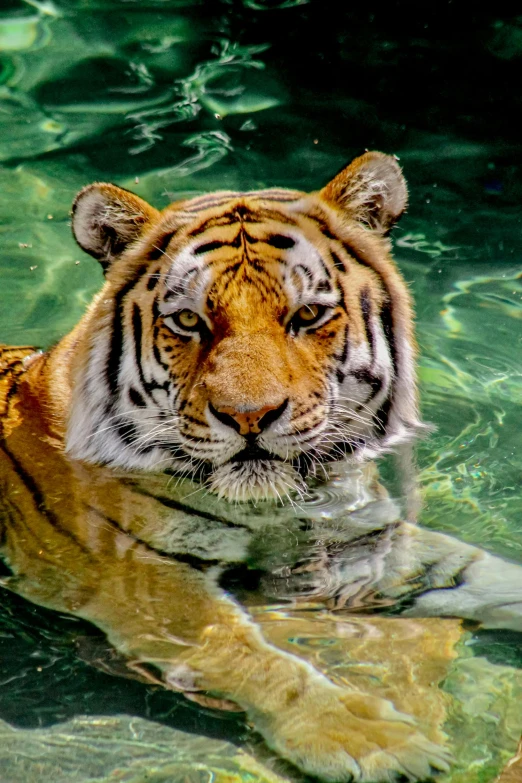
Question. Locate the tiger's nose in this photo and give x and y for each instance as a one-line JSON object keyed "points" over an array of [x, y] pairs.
{"points": [[248, 422]]}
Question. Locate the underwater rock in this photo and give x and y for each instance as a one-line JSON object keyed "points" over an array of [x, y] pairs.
{"points": [[122, 748]]}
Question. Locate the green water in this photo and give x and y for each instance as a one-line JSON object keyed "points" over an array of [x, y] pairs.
{"points": [[171, 98]]}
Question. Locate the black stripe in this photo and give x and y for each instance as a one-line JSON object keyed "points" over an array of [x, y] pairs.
{"points": [[137, 332], [346, 447], [338, 262], [136, 398], [40, 503], [259, 215], [156, 315], [382, 415], [176, 451], [305, 430], [17, 351], [193, 561], [323, 287], [155, 351], [279, 199], [129, 435], [178, 506], [346, 347], [112, 370], [322, 224], [280, 241], [12, 391], [360, 260], [210, 201], [232, 270], [366, 310], [223, 220], [278, 194], [190, 418], [259, 267], [386, 317], [153, 280], [196, 439], [18, 520], [147, 386], [161, 246], [209, 247]]}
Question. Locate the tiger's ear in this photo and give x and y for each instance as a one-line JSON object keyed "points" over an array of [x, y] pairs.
{"points": [[372, 189], [106, 219]]}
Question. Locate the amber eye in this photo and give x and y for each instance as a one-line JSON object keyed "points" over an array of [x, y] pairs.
{"points": [[306, 316], [187, 319], [308, 313]]}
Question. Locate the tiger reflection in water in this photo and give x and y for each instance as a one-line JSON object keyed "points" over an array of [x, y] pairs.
{"points": [[251, 343]]}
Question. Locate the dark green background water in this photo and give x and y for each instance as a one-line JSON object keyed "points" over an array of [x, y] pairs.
{"points": [[173, 98]]}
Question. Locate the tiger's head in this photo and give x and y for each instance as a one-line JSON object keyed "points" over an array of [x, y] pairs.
{"points": [[246, 338]]}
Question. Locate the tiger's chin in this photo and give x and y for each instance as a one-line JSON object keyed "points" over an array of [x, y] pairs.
{"points": [[255, 480]]}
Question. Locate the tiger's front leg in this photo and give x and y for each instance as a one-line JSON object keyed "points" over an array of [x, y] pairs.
{"points": [[167, 613], [322, 728]]}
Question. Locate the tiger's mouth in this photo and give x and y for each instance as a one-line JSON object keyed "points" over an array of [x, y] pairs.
{"points": [[254, 474], [242, 480], [254, 453]]}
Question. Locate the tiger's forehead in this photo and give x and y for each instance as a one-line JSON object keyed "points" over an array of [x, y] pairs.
{"points": [[226, 200], [232, 238]]}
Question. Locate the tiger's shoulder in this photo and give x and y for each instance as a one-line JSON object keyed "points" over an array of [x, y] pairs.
{"points": [[14, 361]]}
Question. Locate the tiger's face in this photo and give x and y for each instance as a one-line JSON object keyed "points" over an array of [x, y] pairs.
{"points": [[244, 338]]}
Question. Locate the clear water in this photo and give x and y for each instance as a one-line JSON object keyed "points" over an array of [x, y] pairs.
{"points": [[172, 98]]}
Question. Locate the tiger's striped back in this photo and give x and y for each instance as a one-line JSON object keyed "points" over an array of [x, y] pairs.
{"points": [[13, 364]]}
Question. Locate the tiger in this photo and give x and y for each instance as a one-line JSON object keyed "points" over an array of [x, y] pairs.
{"points": [[301, 288], [243, 346]]}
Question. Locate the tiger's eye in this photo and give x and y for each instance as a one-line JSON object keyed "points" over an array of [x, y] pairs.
{"points": [[187, 319], [308, 313], [306, 316]]}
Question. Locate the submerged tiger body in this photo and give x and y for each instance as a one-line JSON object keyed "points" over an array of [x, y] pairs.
{"points": [[245, 341]]}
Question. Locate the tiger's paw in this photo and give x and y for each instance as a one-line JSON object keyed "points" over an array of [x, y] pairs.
{"points": [[339, 736]]}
